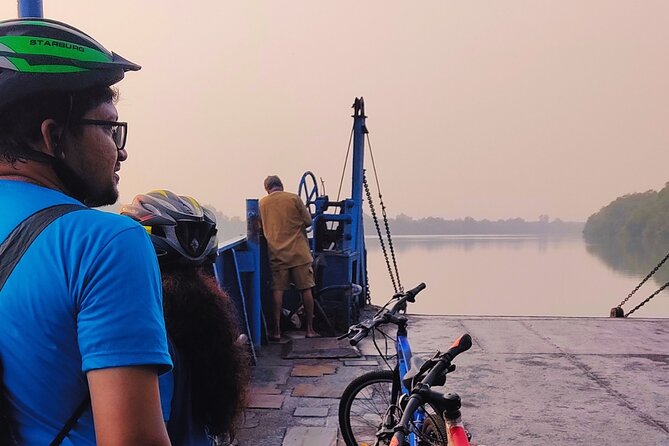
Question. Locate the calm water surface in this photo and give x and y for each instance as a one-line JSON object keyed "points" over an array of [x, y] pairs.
{"points": [[510, 276]]}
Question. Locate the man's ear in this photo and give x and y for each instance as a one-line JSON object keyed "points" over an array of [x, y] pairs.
{"points": [[51, 137]]}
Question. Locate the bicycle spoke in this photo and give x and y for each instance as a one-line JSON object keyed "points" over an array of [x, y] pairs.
{"points": [[368, 410]]}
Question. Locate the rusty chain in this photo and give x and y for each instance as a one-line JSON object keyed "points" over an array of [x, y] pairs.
{"points": [[378, 229], [644, 281], [390, 244], [368, 293], [385, 219], [648, 299]]}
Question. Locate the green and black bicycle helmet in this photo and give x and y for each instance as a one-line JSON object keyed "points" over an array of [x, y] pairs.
{"points": [[39, 55], [182, 230]]}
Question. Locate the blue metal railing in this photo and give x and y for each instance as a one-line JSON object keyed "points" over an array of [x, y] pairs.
{"points": [[237, 269]]}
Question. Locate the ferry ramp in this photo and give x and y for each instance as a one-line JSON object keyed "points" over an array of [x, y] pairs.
{"points": [[525, 381]]}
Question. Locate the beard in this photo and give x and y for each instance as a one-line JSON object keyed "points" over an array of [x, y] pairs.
{"points": [[79, 189], [104, 198]]}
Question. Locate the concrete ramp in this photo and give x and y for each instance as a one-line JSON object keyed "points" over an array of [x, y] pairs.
{"points": [[526, 381], [590, 381]]}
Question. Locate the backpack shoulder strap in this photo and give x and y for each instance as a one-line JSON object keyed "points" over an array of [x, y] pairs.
{"points": [[69, 424], [12, 249], [21, 237]]}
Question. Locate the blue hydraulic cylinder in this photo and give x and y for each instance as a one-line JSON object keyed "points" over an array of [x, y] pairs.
{"points": [[30, 8]]}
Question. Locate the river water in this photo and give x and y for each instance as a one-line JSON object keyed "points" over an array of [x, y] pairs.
{"points": [[515, 276]]}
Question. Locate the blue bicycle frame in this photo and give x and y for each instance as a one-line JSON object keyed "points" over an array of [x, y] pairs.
{"points": [[399, 393], [403, 349]]}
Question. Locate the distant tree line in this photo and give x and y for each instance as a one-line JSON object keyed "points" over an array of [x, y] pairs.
{"points": [[405, 225], [634, 221], [229, 227]]}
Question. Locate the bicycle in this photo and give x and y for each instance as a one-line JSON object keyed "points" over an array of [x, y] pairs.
{"points": [[371, 404], [421, 380]]}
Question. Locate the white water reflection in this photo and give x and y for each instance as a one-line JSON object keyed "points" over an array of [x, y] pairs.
{"points": [[508, 276]]}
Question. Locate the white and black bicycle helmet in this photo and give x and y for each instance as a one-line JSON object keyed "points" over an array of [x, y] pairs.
{"points": [[182, 230], [39, 55]]}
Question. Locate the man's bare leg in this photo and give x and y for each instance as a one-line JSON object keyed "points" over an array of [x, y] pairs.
{"points": [[308, 301], [278, 303]]}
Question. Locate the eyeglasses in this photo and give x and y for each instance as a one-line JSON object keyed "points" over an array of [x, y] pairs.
{"points": [[119, 130]]}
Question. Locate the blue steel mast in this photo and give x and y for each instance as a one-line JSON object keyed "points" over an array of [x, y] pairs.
{"points": [[30, 8], [357, 230]]}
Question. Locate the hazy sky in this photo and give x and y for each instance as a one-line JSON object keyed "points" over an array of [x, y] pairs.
{"points": [[488, 109]]}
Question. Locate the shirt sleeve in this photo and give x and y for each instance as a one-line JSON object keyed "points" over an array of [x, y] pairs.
{"points": [[120, 316], [304, 212]]}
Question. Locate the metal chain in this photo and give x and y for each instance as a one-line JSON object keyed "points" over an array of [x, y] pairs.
{"points": [[644, 281], [385, 216], [378, 229], [368, 293], [648, 298], [390, 243]]}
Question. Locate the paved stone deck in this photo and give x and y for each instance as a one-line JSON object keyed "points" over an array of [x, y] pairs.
{"points": [[526, 381]]}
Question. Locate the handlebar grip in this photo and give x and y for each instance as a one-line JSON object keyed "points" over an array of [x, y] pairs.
{"points": [[411, 294], [462, 344], [359, 336]]}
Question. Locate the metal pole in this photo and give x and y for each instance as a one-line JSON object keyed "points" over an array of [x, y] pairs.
{"points": [[30, 8], [359, 131], [358, 235], [253, 303]]}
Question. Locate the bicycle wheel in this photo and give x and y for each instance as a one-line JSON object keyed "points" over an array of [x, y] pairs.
{"points": [[366, 403]]}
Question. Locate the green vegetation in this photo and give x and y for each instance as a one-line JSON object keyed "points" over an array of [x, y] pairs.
{"points": [[631, 234], [634, 221]]}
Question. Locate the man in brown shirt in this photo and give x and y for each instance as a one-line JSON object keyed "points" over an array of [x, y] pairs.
{"points": [[285, 220]]}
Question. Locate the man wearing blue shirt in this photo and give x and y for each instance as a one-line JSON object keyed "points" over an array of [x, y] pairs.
{"points": [[81, 313]]}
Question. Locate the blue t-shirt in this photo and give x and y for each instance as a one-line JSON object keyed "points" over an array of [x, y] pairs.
{"points": [[86, 295]]}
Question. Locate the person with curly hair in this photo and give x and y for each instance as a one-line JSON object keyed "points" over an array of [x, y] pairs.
{"points": [[205, 393]]}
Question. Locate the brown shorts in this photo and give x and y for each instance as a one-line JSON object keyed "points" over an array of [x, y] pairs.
{"points": [[302, 276]]}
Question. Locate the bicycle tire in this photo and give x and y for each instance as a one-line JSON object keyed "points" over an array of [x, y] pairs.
{"points": [[363, 405]]}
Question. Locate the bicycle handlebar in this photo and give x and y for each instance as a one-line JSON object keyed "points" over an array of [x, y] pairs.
{"points": [[422, 389], [358, 332], [411, 294]]}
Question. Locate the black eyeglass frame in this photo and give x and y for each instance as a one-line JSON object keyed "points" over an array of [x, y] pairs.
{"points": [[116, 124]]}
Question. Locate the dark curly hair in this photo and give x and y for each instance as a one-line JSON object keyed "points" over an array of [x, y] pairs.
{"points": [[201, 321]]}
